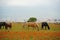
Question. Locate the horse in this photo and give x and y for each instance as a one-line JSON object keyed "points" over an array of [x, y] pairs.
{"points": [[45, 24], [31, 24], [6, 25], [2, 24]]}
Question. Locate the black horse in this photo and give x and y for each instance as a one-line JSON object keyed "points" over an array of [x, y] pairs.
{"points": [[45, 24], [2, 24], [6, 25]]}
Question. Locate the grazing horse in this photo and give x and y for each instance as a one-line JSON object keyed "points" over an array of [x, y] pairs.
{"points": [[45, 24], [31, 24], [6, 25], [2, 24]]}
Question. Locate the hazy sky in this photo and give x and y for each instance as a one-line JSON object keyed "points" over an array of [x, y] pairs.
{"points": [[19, 10]]}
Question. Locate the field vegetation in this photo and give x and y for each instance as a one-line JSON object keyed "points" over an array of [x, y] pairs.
{"points": [[17, 32]]}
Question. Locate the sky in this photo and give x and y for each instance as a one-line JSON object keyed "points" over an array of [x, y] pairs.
{"points": [[20, 10]]}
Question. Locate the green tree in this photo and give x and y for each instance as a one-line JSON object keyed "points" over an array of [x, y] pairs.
{"points": [[32, 19]]}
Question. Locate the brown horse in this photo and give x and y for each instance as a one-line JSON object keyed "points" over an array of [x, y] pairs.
{"points": [[31, 24], [6, 25]]}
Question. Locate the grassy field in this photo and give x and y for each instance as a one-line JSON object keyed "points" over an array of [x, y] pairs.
{"points": [[17, 32]]}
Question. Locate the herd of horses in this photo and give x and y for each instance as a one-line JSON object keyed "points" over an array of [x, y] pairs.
{"points": [[35, 25], [28, 24]]}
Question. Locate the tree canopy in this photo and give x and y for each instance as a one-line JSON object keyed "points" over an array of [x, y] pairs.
{"points": [[32, 19]]}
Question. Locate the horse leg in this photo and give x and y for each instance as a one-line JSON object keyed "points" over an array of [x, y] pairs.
{"points": [[6, 27], [0, 27], [37, 28], [42, 26], [48, 27], [23, 26], [33, 28], [28, 27], [10, 27], [45, 27]]}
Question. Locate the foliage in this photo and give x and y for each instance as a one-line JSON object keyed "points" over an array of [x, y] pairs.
{"points": [[32, 19]]}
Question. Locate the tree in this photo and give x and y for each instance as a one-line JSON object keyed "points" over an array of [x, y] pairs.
{"points": [[32, 19]]}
